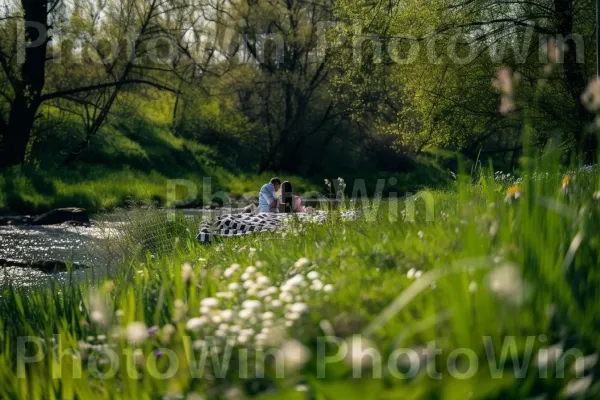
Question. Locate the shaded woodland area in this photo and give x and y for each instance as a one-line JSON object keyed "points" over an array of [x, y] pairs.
{"points": [[297, 85]]}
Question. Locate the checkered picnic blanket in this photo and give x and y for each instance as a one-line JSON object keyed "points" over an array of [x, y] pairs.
{"points": [[230, 225]]}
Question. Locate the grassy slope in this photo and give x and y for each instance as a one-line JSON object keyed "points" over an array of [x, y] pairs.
{"points": [[490, 269], [130, 161]]}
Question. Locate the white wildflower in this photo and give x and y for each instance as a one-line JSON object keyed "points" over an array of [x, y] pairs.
{"points": [[263, 280], [411, 273], [296, 280], [316, 285], [167, 333], [578, 387], [195, 324], [548, 356], [251, 304], [227, 315], [137, 332], [299, 308], [228, 273], [507, 283], [138, 358], [268, 315], [187, 272], [301, 262], [286, 297], [209, 302], [328, 288], [295, 355], [312, 275], [473, 287], [276, 303]]}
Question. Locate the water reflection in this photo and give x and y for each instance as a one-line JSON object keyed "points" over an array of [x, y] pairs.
{"points": [[31, 243]]}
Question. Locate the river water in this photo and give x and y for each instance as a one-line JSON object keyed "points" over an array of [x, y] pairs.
{"points": [[80, 245], [59, 243]]}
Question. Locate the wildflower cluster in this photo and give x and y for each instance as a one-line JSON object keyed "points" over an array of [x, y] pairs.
{"points": [[252, 311]]}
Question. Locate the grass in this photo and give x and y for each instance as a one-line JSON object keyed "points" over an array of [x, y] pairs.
{"points": [[491, 277]]}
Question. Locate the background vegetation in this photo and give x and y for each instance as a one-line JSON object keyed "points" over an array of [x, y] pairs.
{"points": [[192, 88]]}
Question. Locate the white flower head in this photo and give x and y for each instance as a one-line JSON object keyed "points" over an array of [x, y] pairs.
{"points": [[195, 324], [245, 313], [187, 272], [312, 275], [473, 287], [296, 280], [301, 262], [316, 285], [227, 315], [263, 280], [506, 282], [136, 332], [251, 304], [269, 315], [295, 355], [209, 302], [299, 308]]}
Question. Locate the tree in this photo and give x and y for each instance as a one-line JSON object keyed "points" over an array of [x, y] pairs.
{"points": [[136, 26]]}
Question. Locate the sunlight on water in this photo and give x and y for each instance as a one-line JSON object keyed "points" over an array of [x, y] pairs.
{"points": [[32, 243]]}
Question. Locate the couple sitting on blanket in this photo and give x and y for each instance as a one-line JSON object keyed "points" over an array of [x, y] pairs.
{"points": [[276, 196]]}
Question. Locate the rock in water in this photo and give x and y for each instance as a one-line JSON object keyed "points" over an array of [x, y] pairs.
{"points": [[62, 215], [41, 265]]}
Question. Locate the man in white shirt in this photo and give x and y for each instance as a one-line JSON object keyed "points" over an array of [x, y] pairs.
{"points": [[267, 198]]}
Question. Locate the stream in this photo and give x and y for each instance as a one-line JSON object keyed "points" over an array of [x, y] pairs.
{"points": [[24, 243]]}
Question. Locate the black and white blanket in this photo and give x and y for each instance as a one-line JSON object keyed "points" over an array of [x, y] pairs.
{"points": [[230, 225]]}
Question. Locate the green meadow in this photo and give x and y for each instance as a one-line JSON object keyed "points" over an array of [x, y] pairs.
{"points": [[485, 289]]}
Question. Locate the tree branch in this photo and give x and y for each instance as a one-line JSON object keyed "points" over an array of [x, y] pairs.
{"points": [[92, 88]]}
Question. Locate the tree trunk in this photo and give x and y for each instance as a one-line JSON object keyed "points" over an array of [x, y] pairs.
{"points": [[16, 135], [28, 87], [575, 79]]}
